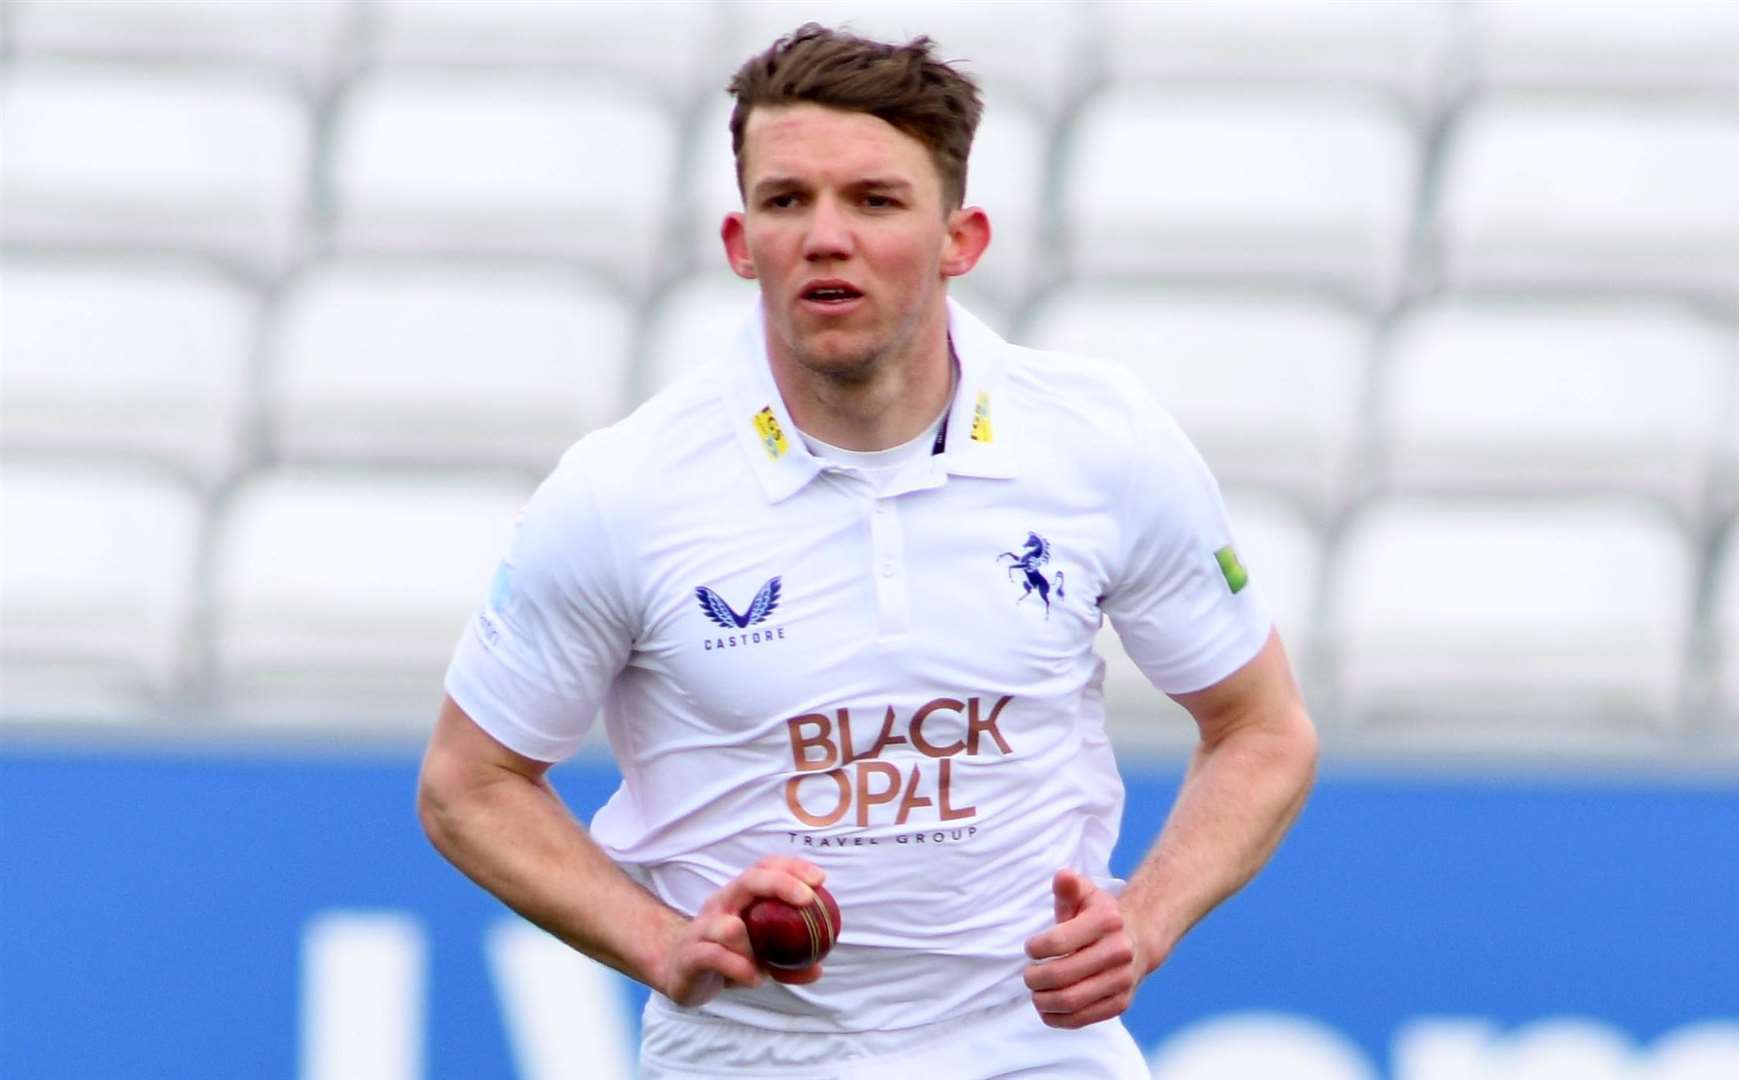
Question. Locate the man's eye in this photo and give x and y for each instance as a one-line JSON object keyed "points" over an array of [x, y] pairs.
{"points": [[782, 202], [878, 202]]}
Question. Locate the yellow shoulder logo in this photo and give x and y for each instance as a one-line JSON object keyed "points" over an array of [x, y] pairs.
{"points": [[981, 418], [772, 436]]}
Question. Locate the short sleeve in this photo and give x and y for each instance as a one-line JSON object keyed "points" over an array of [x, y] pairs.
{"points": [[1180, 599], [534, 665]]}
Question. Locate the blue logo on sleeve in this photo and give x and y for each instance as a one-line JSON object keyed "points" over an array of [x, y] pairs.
{"points": [[765, 603]]}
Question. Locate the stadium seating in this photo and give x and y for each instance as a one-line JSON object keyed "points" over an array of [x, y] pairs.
{"points": [[1007, 178], [1241, 185], [269, 249], [1283, 554], [125, 360], [455, 367], [302, 37], [1607, 45], [97, 582], [692, 327], [1401, 49], [1627, 194], [1521, 625], [1267, 385], [339, 596], [709, 186], [1513, 396], [667, 52], [96, 157], [538, 164]]}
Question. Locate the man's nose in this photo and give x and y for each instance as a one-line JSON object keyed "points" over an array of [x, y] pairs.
{"points": [[829, 235]]}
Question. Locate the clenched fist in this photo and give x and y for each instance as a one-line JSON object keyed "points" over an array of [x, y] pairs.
{"points": [[1085, 968]]}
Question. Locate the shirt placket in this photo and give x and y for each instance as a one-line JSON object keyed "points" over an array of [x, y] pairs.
{"points": [[888, 567]]}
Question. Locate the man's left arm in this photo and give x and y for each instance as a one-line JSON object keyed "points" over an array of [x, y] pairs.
{"points": [[1246, 783]]}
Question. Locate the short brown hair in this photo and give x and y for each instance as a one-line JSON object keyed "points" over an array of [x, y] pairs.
{"points": [[902, 84]]}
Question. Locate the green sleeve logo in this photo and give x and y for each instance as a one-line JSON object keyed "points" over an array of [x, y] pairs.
{"points": [[1236, 576]]}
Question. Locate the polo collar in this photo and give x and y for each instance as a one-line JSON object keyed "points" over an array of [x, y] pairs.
{"points": [[980, 424], [977, 433]]}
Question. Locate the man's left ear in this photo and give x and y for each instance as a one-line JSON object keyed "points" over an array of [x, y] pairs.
{"points": [[734, 234], [968, 236]]}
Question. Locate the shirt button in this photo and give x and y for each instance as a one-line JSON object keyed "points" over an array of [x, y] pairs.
{"points": [[887, 569]]}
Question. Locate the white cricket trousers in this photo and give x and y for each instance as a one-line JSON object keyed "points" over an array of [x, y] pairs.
{"points": [[1007, 1041]]}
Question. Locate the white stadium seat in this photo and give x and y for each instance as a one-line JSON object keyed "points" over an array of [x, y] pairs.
{"points": [[445, 366], [1268, 386], [1582, 193], [292, 33], [125, 359], [1512, 623], [1282, 551], [96, 584], [339, 597], [1283, 555], [1244, 185], [1006, 176], [107, 158], [1725, 651], [1037, 49], [1609, 45], [1514, 396], [507, 164], [1400, 48], [668, 50], [709, 188], [694, 327]]}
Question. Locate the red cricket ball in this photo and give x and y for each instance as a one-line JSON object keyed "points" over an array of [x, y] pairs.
{"points": [[792, 938]]}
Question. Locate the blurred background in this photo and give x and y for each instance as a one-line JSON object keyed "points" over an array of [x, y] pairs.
{"points": [[299, 299]]}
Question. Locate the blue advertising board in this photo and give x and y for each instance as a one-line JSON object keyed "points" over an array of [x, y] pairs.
{"points": [[197, 913]]}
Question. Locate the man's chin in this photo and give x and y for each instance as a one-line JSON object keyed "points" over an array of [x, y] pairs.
{"points": [[837, 352], [849, 358]]}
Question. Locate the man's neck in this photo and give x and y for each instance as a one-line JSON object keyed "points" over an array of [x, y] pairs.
{"points": [[891, 407]]}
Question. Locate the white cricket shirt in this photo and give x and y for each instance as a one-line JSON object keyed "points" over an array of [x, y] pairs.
{"points": [[895, 680]]}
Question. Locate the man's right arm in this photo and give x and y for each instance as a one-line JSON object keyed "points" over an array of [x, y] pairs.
{"points": [[493, 814]]}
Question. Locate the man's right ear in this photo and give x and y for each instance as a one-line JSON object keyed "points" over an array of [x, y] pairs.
{"points": [[736, 239]]}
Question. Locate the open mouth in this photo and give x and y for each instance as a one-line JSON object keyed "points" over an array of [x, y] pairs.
{"points": [[831, 295]]}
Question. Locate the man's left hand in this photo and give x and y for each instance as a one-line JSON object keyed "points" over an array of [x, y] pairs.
{"points": [[1085, 968]]}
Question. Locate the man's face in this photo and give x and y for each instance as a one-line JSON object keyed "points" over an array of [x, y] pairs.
{"points": [[844, 229]]}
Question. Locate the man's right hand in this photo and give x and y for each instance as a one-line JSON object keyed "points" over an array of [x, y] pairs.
{"points": [[711, 950]]}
